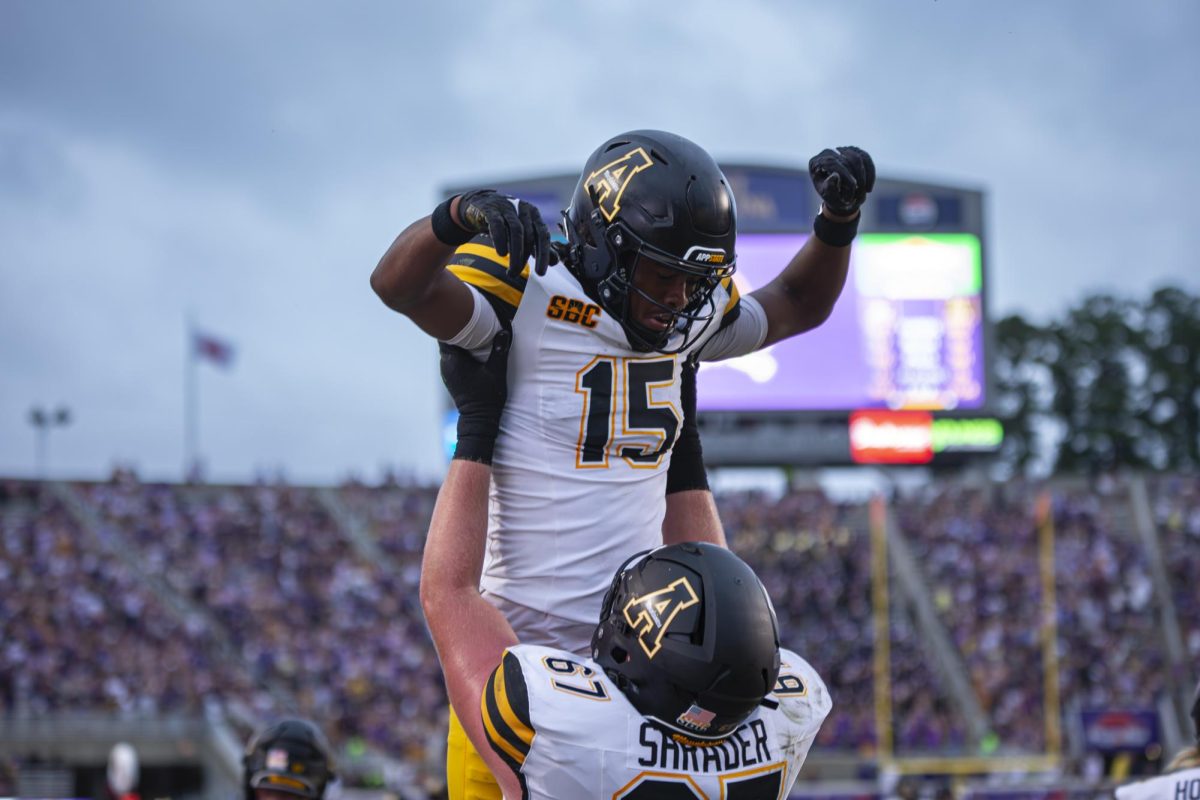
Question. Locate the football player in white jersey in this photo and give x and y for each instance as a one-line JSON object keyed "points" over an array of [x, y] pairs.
{"points": [[583, 465], [686, 693], [587, 468], [1181, 781]]}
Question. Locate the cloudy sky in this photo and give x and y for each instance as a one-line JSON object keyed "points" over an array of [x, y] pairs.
{"points": [[248, 162]]}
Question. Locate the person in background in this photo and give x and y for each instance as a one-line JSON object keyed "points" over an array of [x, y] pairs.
{"points": [[122, 773], [287, 759]]}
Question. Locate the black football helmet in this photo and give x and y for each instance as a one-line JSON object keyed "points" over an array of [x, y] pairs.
{"points": [[688, 634], [656, 195], [291, 756]]}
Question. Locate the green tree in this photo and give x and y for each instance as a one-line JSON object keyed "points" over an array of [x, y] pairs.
{"points": [[1022, 388], [1113, 383], [1097, 398], [1171, 344]]}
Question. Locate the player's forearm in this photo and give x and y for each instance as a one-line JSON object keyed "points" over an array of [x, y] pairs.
{"points": [[453, 557], [412, 278], [803, 296], [469, 633], [692, 517], [814, 279], [470, 636], [408, 270]]}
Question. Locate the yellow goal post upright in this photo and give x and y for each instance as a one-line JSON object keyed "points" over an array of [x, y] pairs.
{"points": [[1051, 759]]}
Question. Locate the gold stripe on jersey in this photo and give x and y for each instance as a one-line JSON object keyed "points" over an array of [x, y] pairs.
{"points": [[478, 264], [505, 717], [733, 306], [734, 296], [487, 251], [519, 726], [511, 755], [493, 286]]}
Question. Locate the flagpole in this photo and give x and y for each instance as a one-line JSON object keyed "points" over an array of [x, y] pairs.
{"points": [[190, 400]]}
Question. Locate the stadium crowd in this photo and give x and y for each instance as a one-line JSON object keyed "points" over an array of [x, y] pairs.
{"points": [[1175, 502], [813, 556], [340, 633], [80, 629], [979, 550], [154, 598]]}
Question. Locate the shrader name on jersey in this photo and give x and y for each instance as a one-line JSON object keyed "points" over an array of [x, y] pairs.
{"points": [[745, 747]]}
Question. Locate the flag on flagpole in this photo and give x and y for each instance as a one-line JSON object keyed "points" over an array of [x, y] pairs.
{"points": [[210, 348]]}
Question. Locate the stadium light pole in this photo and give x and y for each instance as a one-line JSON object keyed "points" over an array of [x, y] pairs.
{"points": [[42, 421]]}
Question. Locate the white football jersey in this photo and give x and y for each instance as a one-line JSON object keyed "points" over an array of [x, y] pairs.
{"points": [[580, 466], [1181, 785], [567, 732]]}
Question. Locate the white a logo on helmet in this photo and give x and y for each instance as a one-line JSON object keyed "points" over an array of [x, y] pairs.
{"points": [[706, 255]]}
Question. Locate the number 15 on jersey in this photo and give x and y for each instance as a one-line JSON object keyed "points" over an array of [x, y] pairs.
{"points": [[626, 411]]}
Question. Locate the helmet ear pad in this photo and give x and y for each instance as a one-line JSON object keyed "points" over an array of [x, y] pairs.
{"points": [[688, 635], [595, 258]]}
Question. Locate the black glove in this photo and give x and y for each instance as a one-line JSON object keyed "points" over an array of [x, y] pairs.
{"points": [[479, 390], [842, 177], [515, 226]]}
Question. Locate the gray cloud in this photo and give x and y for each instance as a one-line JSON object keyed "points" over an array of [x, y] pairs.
{"points": [[249, 162]]}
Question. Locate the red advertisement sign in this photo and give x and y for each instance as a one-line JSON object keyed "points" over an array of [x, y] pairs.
{"points": [[891, 437]]}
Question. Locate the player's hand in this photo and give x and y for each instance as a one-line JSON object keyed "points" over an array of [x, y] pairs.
{"points": [[842, 177], [515, 226], [479, 390]]}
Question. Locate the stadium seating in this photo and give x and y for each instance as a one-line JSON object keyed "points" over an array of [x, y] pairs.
{"points": [[139, 598]]}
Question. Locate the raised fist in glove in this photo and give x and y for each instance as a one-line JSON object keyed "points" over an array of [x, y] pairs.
{"points": [[479, 390], [515, 226], [842, 177]]}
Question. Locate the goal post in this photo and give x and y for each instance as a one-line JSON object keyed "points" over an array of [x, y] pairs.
{"points": [[1047, 761]]}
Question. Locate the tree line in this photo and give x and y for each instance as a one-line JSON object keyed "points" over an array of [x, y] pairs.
{"points": [[1114, 383]]}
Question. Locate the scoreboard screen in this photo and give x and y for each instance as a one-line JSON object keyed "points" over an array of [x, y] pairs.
{"points": [[907, 332]]}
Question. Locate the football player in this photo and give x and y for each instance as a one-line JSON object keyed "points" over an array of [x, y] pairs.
{"points": [[587, 468], [288, 759], [599, 372], [1182, 778], [686, 693]]}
